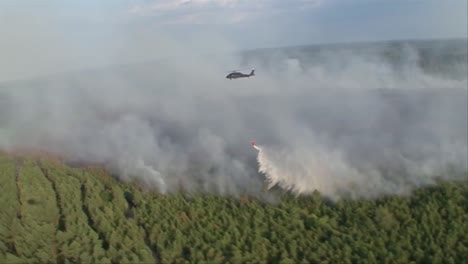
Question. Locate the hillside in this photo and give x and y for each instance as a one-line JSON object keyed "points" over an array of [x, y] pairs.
{"points": [[55, 213]]}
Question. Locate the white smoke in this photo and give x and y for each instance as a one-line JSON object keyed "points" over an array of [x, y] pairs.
{"points": [[315, 168], [303, 171], [348, 124]]}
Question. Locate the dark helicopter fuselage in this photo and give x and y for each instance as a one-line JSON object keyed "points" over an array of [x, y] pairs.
{"points": [[235, 75]]}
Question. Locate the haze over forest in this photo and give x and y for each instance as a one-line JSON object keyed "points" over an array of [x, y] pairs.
{"points": [[356, 120]]}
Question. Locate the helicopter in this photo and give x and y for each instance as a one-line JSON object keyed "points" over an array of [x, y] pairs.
{"points": [[236, 74]]}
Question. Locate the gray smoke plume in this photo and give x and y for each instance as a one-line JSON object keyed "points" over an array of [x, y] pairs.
{"points": [[346, 121]]}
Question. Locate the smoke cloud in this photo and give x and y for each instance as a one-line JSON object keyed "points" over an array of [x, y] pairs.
{"points": [[347, 121]]}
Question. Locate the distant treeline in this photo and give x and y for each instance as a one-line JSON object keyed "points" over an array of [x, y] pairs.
{"points": [[52, 213], [443, 57]]}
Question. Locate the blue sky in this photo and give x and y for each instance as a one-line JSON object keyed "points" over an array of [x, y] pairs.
{"points": [[259, 23], [54, 35]]}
